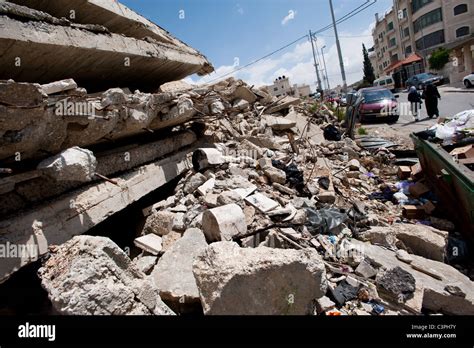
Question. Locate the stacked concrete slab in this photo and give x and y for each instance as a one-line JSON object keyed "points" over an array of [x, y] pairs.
{"points": [[99, 43], [91, 118]]}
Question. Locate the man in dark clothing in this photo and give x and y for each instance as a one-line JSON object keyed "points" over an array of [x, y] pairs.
{"points": [[414, 99], [431, 96]]}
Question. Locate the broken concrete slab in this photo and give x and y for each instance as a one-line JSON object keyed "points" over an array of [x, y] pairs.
{"points": [[77, 212], [85, 49], [262, 202], [150, 243], [206, 187], [93, 276], [73, 164], [260, 281], [279, 123], [223, 223], [173, 275], [435, 297], [422, 240], [59, 86], [283, 104]]}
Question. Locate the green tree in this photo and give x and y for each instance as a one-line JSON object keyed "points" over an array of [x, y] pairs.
{"points": [[439, 58], [369, 75]]}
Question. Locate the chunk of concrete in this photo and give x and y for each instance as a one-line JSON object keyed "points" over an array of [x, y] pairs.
{"points": [[194, 182], [275, 175], [365, 269], [206, 157], [93, 276], [206, 187], [260, 281], [73, 164], [145, 263], [173, 275], [324, 304], [150, 243], [59, 86], [262, 202], [228, 197], [279, 123], [159, 222], [223, 223]]}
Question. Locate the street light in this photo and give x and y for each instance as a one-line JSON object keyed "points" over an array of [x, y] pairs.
{"points": [[325, 69]]}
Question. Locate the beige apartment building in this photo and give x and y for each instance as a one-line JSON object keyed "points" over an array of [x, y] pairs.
{"points": [[281, 86], [406, 35]]}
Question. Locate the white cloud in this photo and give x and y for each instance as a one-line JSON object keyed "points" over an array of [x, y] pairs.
{"points": [[240, 9], [291, 15], [297, 63]]}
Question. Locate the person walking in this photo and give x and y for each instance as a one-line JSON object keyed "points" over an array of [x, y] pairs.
{"points": [[431, 96], [414, 99]]}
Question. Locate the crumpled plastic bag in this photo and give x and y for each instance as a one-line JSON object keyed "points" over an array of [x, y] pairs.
{"points": [[325, 221], [459, 122]]}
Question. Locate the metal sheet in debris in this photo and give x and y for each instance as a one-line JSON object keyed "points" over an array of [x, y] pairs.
{"points": [[374, 143]]}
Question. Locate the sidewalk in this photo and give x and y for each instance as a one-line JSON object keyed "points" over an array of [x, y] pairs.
{"points": [[455, 88]]}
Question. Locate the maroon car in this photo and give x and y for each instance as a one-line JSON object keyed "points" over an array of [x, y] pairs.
{"points": [[378, 104]]}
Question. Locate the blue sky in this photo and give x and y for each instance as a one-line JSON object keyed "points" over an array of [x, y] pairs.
{"points": [[231, 32]]}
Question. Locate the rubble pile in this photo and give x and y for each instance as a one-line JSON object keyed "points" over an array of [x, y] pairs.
{"points": [[274, 211], [267, 182]]}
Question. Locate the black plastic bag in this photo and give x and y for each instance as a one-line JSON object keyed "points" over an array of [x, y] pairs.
{"points": [[332, 133], [325, 221]]}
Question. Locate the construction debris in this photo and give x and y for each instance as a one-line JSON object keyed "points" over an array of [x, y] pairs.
{"points": [[258, 281], [78, 277], [300, 219]]}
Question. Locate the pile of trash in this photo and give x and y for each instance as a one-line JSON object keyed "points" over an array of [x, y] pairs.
{"points": [[282, 214]]}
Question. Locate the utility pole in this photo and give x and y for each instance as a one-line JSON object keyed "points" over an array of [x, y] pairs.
{"points": [[325, 69], [338, 45], [315, 62]]}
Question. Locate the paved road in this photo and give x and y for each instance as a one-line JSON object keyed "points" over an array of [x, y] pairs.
{"points": [[449, 105]]}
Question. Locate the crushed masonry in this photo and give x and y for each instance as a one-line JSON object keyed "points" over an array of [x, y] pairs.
{"points": [[265, 215]]}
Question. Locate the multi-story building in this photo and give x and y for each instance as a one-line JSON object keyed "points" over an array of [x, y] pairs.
{"points": [[420, 27], [281, 86]]}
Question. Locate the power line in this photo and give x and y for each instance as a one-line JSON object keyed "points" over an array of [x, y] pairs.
{"points": [[347, 16]]}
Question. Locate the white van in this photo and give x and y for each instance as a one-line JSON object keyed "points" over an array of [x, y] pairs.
{"points": [[385, 81]]}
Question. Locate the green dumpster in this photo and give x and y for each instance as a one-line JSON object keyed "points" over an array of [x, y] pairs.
{"points": [[452, 182]]}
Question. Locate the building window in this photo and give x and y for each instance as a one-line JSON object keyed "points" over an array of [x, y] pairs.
{"points": [[405, 13], [430, 40], [406, 32], [275, 89], [390, 26], [392, 42], [463, 31], [408, 50], [459, 9], [428, 19], [417, 4], [394, 58]]}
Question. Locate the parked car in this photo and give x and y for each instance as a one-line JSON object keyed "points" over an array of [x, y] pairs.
{"points": [[421, 80], [385, 81], [377, 103], [469, 80]]}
